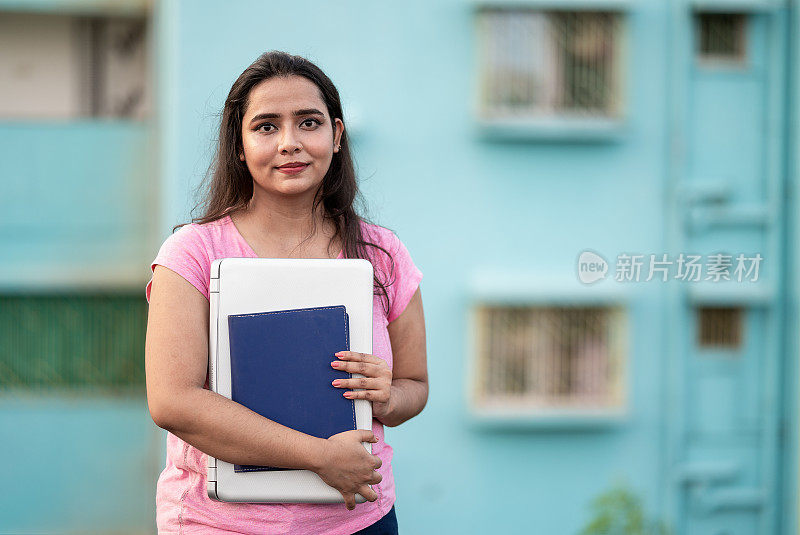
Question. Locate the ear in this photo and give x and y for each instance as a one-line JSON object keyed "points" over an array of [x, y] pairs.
{"points": [[337, 138], [241, 157]]}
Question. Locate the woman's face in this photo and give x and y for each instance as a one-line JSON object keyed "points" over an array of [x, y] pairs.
{"points": [[287, 121]]}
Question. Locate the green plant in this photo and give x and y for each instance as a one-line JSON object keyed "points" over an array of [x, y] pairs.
{"points": [[619, 511]]}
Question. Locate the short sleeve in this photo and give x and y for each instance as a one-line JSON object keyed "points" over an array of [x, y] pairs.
{"points": [[184, 252], [407, 277]]}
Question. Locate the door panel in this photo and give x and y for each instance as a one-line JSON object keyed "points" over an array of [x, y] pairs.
{"points": [[725, 439]]}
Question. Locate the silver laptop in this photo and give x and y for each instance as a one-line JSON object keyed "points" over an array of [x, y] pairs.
{"points": [[250, 285]]}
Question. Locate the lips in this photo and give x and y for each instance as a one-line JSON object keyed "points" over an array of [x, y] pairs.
{"points": [[292, 168]]}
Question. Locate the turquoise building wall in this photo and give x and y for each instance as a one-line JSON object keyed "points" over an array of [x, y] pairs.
{"points": [[482, 215]]}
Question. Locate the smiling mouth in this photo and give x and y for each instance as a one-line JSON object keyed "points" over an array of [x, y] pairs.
{"points": [[291, 169]]}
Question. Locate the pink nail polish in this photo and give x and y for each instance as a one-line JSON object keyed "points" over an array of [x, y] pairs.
{"points": [[336, 382], [335, 364]]}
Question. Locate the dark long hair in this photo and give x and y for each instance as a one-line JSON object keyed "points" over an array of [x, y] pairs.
{"points": [[228, 185]]}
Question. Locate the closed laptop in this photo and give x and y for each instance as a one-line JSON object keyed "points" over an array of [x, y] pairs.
{"points": [[289, 296]]}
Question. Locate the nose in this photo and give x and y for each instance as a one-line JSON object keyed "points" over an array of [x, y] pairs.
{"points": [[289, 143]]}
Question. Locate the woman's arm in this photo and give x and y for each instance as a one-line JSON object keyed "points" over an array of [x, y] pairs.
{"points": [[176, 363], [400, 393], [409, 390]]}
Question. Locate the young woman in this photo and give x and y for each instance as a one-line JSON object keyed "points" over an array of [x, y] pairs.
{"points": [[282, 186]]}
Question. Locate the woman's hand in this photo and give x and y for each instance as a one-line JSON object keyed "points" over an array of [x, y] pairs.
{"points": [[377, 380], [347, 466]]}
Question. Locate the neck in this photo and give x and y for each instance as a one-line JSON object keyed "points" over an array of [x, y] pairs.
{"points": [[288, 219]]}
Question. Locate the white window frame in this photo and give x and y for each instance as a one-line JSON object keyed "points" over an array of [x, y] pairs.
{"points": [[556, 126], [492, 288]]}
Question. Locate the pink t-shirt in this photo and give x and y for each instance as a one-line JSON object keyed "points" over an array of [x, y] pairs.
{"points": [[182, 505]]}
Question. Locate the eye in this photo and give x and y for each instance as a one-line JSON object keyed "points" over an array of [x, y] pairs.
{"points": [[312, 121], [264, 125]]}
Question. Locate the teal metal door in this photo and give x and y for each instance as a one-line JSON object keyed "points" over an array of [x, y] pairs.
{"points": [[726, 192]]}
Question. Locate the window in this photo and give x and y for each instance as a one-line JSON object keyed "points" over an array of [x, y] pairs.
{"points": [[720, 37], [72, 341], [67, 67], [542, 357], [720, 327], [536, 64]]}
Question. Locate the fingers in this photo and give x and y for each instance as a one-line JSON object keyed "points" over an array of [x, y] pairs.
{"points": [[369, 395], [376, 382], [361, 382], [362, 363], [368, 493], [364, 368], [365, 435], [349, 500], [365, 490], [359, 357], [378, 461]]}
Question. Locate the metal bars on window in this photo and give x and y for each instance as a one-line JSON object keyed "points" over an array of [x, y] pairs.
{"points": [[720, 327], [549, 357], [72, 341], [721, 37], [549, 63], [56, 66], [114, 63]]}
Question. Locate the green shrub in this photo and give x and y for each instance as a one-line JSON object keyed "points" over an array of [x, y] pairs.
{"points": [[619, 511]]}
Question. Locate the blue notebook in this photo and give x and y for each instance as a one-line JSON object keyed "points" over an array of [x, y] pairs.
{"points": [[280, 368]]}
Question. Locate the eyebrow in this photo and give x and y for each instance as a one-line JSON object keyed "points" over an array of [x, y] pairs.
{"points": [[296, 113]]}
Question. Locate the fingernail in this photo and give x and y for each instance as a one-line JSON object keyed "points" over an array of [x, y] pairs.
{"points": [[335, 364], [336, 382], [347, 395]]}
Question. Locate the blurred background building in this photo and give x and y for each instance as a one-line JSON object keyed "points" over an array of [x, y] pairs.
{"points": [[519, 148]]}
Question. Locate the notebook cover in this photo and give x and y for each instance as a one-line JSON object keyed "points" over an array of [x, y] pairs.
{"points": [[280, 368]]}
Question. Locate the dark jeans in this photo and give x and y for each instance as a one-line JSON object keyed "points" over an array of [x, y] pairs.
{"points": [[385, 526]]}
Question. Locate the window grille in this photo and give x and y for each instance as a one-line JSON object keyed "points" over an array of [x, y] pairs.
{"points": [[67, 341], [115, 66], [56, 66], [549, 357], [549, 63], [721, 36], [720, 327]]}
